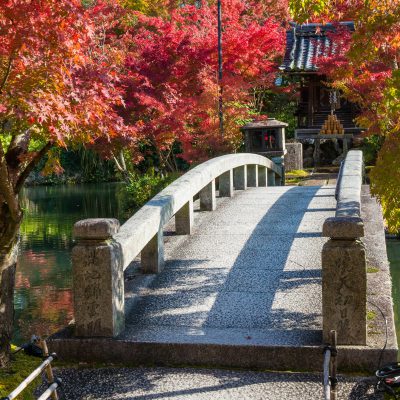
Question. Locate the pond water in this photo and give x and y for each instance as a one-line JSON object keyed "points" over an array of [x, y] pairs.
{"points": [[43, 297], [393, 249]]}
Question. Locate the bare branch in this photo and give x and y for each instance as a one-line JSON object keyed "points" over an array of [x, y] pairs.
{"points": [[122, 158], [7, 74], [121, 166]]}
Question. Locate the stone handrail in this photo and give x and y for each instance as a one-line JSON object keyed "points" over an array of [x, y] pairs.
{"points": [[104, 249], [347, 222], [141, 228], [344, 277]]}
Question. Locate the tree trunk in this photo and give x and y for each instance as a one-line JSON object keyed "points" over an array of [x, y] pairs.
{"points": [[13, 173], [121, 166], [8, 260]]}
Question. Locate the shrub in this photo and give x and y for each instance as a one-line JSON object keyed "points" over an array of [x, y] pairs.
{"points": [[141, 188]]}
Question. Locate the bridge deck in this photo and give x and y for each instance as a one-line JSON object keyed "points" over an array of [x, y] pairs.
{"points": [[245, 290], [250, 274]]}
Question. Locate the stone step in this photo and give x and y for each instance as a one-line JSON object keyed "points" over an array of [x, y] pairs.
{"points": [[278, 358]]}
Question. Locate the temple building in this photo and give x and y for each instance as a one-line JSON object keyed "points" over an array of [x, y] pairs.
{"points": [[321, 110]]}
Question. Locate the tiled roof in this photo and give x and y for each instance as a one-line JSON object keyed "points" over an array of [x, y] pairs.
{"points": [[268, 123], [306, 43]]}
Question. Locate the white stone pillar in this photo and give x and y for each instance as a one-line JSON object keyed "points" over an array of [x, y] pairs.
{"points": [[240, 178], [98, 279], [262, 176], [226, 184], [208, 199], [252, 175], [184, 219], [152, 255], [271, 177]]}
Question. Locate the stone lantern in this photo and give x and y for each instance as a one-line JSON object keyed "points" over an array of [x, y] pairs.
{"points": [[266, 138]]}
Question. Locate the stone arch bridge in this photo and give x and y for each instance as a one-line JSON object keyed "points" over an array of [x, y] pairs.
{"points": [[226, 267]]}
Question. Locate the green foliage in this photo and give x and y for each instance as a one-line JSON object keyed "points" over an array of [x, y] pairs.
{"points": [[138, 5], [21, 366], [385, 181], [370, 147], [154, 7], [78, 166], [298, 172], [304, 10], [141, 188], [295, 177], [293, 181], [281, 106]]}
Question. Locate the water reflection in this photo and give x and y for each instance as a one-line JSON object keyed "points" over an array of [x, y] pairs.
{"points": [[43, 298], [393, 249]]}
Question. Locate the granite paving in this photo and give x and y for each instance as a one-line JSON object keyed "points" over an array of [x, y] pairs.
{"points": [[249, 274], [204, 384], [320, 178]]}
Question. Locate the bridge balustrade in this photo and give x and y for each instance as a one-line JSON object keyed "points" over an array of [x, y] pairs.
{"points": [[104, 249], [344, 275]]}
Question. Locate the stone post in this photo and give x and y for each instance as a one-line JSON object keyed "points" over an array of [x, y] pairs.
{"points": [[208, 200], [279, 162], [317, 152], [294, 156], [240, 177], [98, 279], [184, 219], [345, 146], [344, 281], [252, 175], [226, 184], [152, 255], [262, 176], [271, 177]]}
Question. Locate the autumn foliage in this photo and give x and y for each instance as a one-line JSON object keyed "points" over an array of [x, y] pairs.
{"points": [[59, 85], [171, 83], [368, 74], [59, 71]]}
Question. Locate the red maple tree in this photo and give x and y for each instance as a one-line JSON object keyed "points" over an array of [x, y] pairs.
{"points": [[60, 67], [171, 83]]}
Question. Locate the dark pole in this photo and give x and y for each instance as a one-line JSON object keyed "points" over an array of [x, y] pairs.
{"points": [[220, 102]]}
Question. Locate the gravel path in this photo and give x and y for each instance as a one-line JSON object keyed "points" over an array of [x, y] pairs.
{"points": [[202, 384], [260, 251]]}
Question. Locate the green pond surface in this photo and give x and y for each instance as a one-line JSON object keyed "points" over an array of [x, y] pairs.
{"points": [[393, 250], [43, 297]]}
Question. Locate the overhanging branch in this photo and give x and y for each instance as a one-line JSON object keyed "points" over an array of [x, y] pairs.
{"points": [[6, 75], [32, 164], [6, 188]]}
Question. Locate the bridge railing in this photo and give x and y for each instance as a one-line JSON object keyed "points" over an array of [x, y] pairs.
{"points": [[104, 249], [344, 275]]}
